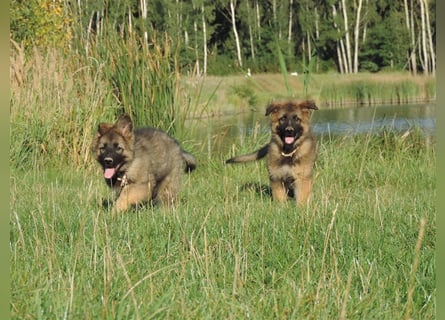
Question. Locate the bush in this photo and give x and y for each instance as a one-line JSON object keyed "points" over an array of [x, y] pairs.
{"points": [[246, 93], [369, 66], [40, 23]]}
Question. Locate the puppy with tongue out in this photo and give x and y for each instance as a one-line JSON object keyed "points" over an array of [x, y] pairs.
{"points": [[141, 164], [291, 151]]}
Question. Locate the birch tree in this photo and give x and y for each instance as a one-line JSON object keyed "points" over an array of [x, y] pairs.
{"points": [[289, 33], [258, 19], [423, 43], [144, 18], [409, 14], [235, 32], [427, 50], [341, 55], [204, 41], [430, 39], [356, 35], [346, 31], [249, 22]]}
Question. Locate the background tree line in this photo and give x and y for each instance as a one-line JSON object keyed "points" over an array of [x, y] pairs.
{"points": [[228, 36]]}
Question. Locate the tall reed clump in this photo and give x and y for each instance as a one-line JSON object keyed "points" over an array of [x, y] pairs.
{"points": [[57, 100], [144, 78]]}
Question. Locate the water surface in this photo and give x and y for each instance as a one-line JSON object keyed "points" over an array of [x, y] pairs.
{"points": [[223, 132], [373, 119]]}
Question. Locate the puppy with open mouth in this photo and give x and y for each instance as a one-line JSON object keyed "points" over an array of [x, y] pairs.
{"points": [[142, 164], [291, 152]]}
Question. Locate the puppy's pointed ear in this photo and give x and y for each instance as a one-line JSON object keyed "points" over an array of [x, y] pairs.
{"points": [[125, 125], [103, 128], [308, 104], [271, 108]]}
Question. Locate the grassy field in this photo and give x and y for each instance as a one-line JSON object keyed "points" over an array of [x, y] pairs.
{"points": [[364, 248]]}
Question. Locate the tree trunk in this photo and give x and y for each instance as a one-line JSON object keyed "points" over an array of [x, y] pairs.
{"points": [[204, 44], [130, 23], [348, 43], [426, 65], [197, 66], [356, 36], [344, 58], [430, 39], [412, 61], [317, 36], [340, 63], [289, 34], [144, 18], [249, 21], [317, 28], [235, 33], [340, 47], [274, 13], [309, 48], [258, 19]]}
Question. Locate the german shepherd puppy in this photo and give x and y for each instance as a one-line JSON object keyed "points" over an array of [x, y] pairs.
{"points": [[141, 165], [291, 152]]}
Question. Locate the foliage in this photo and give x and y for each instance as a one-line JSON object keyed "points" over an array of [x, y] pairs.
{"points": [[81, 25], [387, 44], [41, 23], [246, 93]]}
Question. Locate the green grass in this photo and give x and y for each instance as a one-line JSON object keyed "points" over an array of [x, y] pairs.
{"points": [[227, 251], [360, 251]]}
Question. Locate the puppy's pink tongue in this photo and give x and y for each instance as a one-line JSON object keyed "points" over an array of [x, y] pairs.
{"points": [[109, 173], [289, 140]]}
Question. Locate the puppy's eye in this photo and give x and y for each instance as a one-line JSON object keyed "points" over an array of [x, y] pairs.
{"points": [[117, 148], [102, 150], [283, 118], [296, 119]]}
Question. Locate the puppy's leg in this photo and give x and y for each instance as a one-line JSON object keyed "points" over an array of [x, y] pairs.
{"points": [[168, 189], [279, 193], [132, 194], [303, 188]]}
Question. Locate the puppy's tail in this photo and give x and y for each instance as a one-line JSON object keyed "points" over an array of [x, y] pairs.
{"points": [[256, 155], [190, 161]]}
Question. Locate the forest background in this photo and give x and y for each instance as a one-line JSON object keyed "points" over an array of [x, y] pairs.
{"points": [[228, 36]]}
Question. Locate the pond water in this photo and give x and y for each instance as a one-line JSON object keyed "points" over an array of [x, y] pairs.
{"points": [[371, 119], [222, 132]]}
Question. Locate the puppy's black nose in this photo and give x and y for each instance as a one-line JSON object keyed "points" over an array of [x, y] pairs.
{"points": [[289, 129], [108, 161]]}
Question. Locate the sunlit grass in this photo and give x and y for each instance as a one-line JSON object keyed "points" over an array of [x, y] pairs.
{"points": [[359, 251], [227, 250]]}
